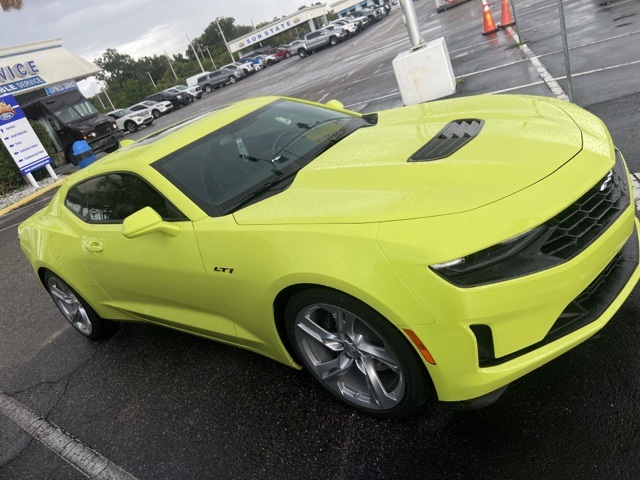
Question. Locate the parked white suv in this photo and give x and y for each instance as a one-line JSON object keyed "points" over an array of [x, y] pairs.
{"points": [[131, 121], [157, 108]]}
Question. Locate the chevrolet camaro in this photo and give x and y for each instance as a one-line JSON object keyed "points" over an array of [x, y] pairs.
{"points": [[441, 250]]}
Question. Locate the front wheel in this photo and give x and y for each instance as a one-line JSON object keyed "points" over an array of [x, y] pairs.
{"points": [[355, 353], [207, 88], [131, 127], [333, 41], [232, 79], [303, 52], [77, 312]]}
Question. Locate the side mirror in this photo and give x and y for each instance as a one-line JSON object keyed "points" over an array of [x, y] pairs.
{"points": [[147, 221]]}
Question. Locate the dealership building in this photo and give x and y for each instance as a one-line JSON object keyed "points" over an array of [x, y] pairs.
{"points": [[42, 77]]}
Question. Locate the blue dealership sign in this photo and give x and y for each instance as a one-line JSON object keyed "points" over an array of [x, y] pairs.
{"points": [[19, 138]]}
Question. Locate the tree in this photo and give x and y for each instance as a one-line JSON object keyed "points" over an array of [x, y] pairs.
{"points": [[8, 5]]}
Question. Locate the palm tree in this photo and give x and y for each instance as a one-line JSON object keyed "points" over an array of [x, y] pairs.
{"points": [[11, 5]]}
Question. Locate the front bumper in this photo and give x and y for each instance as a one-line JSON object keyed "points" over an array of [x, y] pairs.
{"points": [[531, 320]]}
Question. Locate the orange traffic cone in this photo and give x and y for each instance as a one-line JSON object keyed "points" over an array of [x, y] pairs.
{"points": [[506, 20], [489, 24]]}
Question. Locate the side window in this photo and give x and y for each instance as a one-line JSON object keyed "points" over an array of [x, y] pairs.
{"points": [[112, 198]]}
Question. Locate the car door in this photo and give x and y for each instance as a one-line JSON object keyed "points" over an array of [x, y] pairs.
{"points": [[156, 277]]}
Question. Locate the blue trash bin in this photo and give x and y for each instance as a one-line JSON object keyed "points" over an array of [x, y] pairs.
{"points": [[82, 154]]}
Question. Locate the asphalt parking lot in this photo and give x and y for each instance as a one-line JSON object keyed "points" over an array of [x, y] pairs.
{"points": [[156, 404]]}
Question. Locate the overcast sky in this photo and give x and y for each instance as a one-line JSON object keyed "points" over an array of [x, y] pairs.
{"points": [[135, 27]]}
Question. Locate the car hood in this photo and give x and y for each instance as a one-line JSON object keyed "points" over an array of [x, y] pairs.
{"points": [[367, 176], [90, 123]]}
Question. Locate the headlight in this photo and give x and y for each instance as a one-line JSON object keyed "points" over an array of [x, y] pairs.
{"points": [[512, 258]]}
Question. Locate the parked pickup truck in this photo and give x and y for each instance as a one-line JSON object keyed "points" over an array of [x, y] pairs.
{"points": [[318, 39]]}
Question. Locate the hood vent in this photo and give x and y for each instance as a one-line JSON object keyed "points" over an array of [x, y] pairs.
{"points": [[451, 138]]}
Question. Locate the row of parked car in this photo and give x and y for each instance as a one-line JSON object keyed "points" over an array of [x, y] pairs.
{"points": [[154, 106], [340, 29], [161, 103], [144, 113]]}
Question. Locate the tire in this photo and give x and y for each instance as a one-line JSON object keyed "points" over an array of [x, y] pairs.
{"points": [[302, 53], [207, 88], [356, 339], [287, 55], [131, 127], [176, 104], [77, 311], [372, 20], [112, 148], [156, 113], [333, 41], [232, 79]]}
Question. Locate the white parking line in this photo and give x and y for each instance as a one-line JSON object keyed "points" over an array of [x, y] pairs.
{"points": [[87, 461], [543, 72]]}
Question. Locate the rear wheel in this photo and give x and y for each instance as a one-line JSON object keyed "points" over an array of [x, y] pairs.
{"points": [[156, 113], [333, 41], [355, 353], [232, 79], [77, 312]]}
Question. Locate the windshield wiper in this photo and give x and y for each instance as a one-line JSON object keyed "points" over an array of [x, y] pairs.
{"points": [[260, 190]]}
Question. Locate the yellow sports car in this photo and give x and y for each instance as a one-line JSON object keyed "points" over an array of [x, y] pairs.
{"points": [[442, 250]]}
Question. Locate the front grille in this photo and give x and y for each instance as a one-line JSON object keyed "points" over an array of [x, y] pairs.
{"points": [[103, 128], [583, 310], [580, 224]]}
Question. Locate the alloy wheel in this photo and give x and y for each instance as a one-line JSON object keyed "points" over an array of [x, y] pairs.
{"points": [[349, 357], [69, 305]]}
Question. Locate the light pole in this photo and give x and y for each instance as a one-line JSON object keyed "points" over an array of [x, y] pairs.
{"points": [[195, 53], [170, 65], [151, 78], [225, 41]]}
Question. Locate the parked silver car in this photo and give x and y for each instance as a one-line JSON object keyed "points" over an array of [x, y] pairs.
{"points": [[216, 79]]}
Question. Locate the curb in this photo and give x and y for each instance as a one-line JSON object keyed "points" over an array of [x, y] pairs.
{"points": [[31, 197]]}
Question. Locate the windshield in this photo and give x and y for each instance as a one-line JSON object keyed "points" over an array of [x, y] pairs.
{"points": [[224, 169], [78, 111]]}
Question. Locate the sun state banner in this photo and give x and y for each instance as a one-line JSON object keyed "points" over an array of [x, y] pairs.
{"points": [[18, 136]]}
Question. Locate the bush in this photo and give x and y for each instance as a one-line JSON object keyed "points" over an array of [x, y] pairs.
{"points": [[10, 178]]}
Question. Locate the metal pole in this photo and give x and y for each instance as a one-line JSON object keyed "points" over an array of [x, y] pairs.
{"points": [[170, 65], [225, 41], [154, 83], [413, 28], [515, 18], [108, 98], [214, 63], [565, 47], [100, 98], [195, 53]]}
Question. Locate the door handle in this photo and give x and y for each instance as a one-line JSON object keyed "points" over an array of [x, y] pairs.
{"points": [[93, 246]]}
